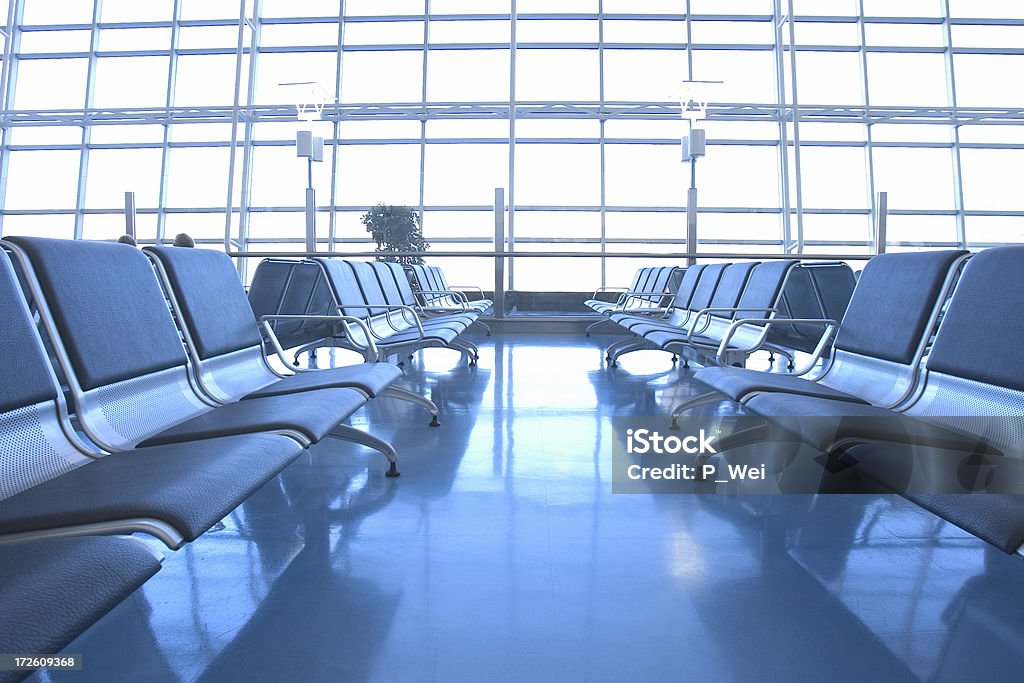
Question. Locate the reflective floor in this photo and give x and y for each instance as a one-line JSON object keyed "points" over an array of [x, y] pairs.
{"points": [[501, 554]]}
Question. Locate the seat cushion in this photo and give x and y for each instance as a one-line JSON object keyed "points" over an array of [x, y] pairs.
{"points": [[190, 486], [371, 378], [822, 422], [310, 413], [738, 382], [439, 335], [52, 590]]}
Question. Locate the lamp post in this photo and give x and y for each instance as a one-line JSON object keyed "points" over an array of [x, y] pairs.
{"points": [[309, 105], [693, 99]]}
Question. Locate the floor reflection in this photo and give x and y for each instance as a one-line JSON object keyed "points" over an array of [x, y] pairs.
{"points": [[501, 554]]}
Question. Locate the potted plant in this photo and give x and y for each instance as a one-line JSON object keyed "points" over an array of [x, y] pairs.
{"points": [[396, 229]]}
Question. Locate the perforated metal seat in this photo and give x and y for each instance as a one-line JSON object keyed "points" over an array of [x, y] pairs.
{"points": [[51, 479], [880, 342], [128, 375]]}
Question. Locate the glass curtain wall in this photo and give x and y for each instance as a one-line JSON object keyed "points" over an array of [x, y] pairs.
{"points": [[566, 104]]}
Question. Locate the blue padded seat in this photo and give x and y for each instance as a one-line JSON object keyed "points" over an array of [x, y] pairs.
{"points": [[190, 486], [313, 414], [371, 378], [828, 421], [25, 379], [52, 590], [982, 331], [213, 303], [93, 307], [995, 517], [735, 383]]}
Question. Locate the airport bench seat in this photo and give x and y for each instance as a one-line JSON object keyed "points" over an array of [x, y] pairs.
{"points": [[189, 486], [52, 590]]}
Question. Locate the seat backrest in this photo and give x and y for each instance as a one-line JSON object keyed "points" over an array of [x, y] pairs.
{"points": [[706, 286], [220, 331], [657, 284], [297, 299], [764, 288], [369, 286], [33, 447], [883, 335], [388, 284], [799, 300], [114, 337], [730, 287], [211, 298], [687, 286], [981, 333], [401, 279], [975, 380], [440, 282], [344, 287], [834, 284], [893, 302], [268, 286]]}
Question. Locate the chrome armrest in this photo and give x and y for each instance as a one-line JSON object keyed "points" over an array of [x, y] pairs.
{"points": [[369, 354], [708, 311], [831, 327]]}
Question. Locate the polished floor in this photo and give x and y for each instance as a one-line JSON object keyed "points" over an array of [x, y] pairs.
{"points": [[501, 554]]}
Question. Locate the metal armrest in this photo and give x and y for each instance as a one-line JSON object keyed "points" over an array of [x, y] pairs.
{"points": [[608, 289], [370, 353], [709, 311], [387, 308], [458, 296], [469, 288], [831, 327]]}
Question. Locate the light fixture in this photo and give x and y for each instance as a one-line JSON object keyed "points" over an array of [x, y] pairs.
{"points": [[693, 98], [310, 98]]}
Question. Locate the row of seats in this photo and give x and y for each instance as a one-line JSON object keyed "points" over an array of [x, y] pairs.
{"points": [[377, 299], [435, 293], [135, 397], [924, 393], [649, 291], [721, 313]]}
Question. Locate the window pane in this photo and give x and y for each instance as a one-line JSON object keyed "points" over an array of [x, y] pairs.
{"points": [[645, 175], [833, 178], [915, 178], [991, 179], [277, 68], [747, 76], [829, 78], [467, 75], [370, 174], [42, 180], [464, 174], [917, 80], [731, 176], [382, 77], [57, 12], [53, 225], [558, 175], [643, 75], [556, 75], [114, 172], [131, 82], [981, 80], [51, 84], [207, 80], [198, 177]]}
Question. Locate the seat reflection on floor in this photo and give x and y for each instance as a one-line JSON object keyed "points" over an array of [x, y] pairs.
{"points": [[502, 554]]}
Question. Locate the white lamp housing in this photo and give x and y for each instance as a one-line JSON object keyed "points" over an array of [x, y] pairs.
{"points": [[309, 146], [694, 144]]}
